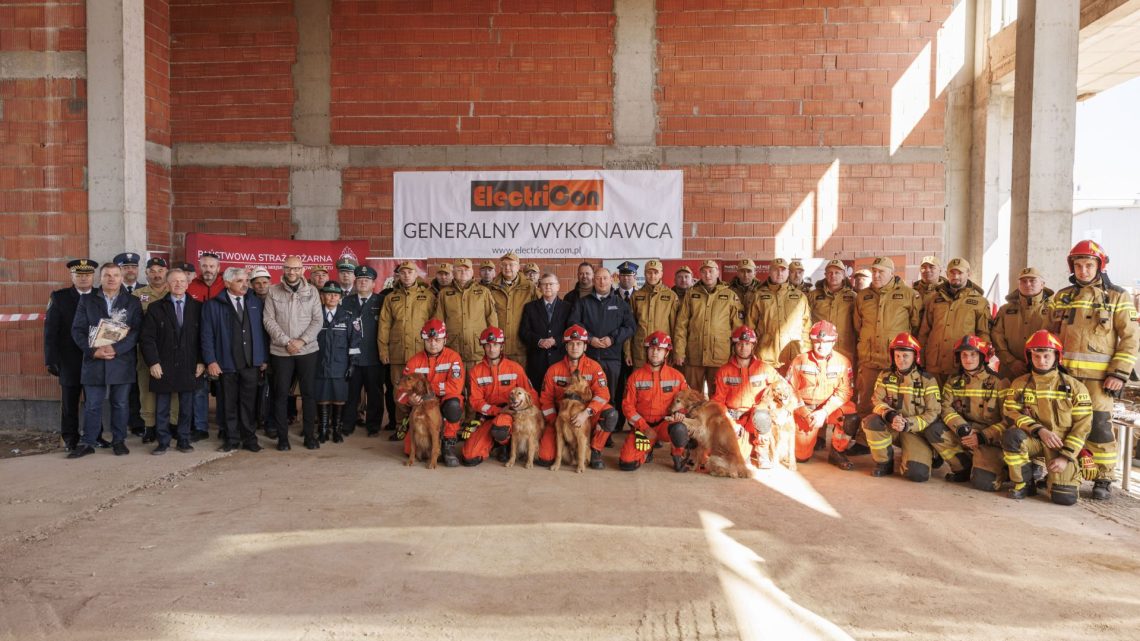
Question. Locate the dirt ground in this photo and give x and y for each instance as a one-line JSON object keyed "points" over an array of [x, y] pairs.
{"points": [[346, 543]]}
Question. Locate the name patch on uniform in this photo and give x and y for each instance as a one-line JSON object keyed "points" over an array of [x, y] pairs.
{"points": [[897, 296], [1011, 310], [722, 296], [643, 385], [971, 301]]}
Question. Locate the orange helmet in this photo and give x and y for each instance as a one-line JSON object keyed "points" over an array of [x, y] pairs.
{"points": [[1088, 249], [434, 328], [743, 333], [824, 331], [905, 341], [575, 333], [659, 339], [492, 335], [1043, 339]]}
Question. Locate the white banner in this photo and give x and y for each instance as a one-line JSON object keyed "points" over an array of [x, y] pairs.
{"points": [[537, 214]]}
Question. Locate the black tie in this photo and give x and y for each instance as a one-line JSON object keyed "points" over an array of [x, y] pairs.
{"points": [[178, 310], [626, 295], [240, 310], [549, 312]]}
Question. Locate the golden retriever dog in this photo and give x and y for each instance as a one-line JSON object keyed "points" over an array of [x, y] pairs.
{"points": [[569, 439], [717, 448], [780, 400], [425, 421], [526, 427]]}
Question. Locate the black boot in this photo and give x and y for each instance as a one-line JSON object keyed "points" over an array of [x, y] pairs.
{"points": [[322, 423], [1019, 493], [1102, 489], [596, 462], [962, 475], [334, 422], [504, 453], [680, 464], [887, 468], [150, 435], [840, 460], [449, 457]]}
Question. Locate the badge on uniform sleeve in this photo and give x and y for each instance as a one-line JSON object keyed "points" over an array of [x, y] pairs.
{"points": [[455, 371], [1084, 398]]}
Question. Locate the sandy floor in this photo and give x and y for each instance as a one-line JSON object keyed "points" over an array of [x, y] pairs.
{"points": [[345, 543]]}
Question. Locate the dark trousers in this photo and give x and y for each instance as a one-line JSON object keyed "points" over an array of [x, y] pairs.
{"points": [[265, 402], [612, 368], [388, 392], [365, 377], [69, 413], [239, 395], [134, 403], [162, 415], [617, 392], [93, 396], [283, 369]]}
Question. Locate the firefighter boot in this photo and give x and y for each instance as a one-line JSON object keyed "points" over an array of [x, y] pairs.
{"points": [[449, 457], [1102, 489], [886, 468]]}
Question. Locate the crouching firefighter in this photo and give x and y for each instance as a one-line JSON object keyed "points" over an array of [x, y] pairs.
{"points": [[491, 381], [1051, 414], [443, 369], [906, 402], [602, 416], [740, 387], [649, 392], [969, 437], [822, 381]]}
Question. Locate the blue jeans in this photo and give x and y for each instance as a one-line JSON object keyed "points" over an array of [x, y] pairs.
{"points": [[93, 411], [201, 407], [162, 416]]}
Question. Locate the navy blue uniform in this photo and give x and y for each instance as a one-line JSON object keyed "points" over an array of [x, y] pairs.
{"points": [[339, 345]]}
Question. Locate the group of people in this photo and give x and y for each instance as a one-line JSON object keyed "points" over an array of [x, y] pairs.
{"points": [[885, 364]]}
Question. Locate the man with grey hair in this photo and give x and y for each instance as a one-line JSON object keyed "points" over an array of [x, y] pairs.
{"points": [[293, 319], [541, 326]]}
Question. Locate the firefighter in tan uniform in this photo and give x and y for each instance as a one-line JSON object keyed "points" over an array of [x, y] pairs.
{"points": [[930, 277], [833, 300], [883, 310], [709, 312], [796, 276], [745, 284], [781, 318], [1096, 322], [1049, 414], [907, 402], [1017, 320], [511, 292], [155, 289], [682, 281], [405, 311], [467, 308], [654, 310], [956, 308], [969, 436]]}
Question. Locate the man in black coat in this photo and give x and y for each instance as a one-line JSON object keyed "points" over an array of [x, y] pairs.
{"points": [[609, 320], [368, 373], [62, 356], [109, 370], [541, 327], [171, 349]]}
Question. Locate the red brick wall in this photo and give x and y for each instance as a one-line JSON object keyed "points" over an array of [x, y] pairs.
{"points": [[230, 200], [792, 75], [31, 25], [231, 65], [158, 196], [472, 72]]}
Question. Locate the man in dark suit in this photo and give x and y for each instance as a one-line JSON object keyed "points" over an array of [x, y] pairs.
{"points": [[235, 351], [541, 327], [368, 373], [129, 262], [609, 320], [170, 348], [108, 370], [62, 356]]}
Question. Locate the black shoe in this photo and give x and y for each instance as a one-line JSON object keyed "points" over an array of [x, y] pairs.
{"points": [[160, 450], [102, 443], [137, 430], [961, 476], [120, 448], [936, 462], [312, 443], [1022, 492], [856, 449], [252, 446], [680, 464], [504, 454], [394, 437], [199, 435], [228, 447], [884, 469], [347, 430], [184, 446], [271, 434], [283, 446], [150, 435], [449, 457], [596, 462], [1102, 489], [80, 451], [840, 460]]}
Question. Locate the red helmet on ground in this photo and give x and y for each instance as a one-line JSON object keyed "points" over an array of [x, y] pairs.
{"points": [[905, 341], [659, 339], [575, 333], [1043, 339], [1088, 249], [744, 334], [824, 331], [434, 328], [492, 335]]}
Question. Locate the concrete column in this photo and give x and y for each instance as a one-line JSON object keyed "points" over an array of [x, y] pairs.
{"points": [[116, 127], [635, 62], [1044, 134], [314, 193], [956, 43]]}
